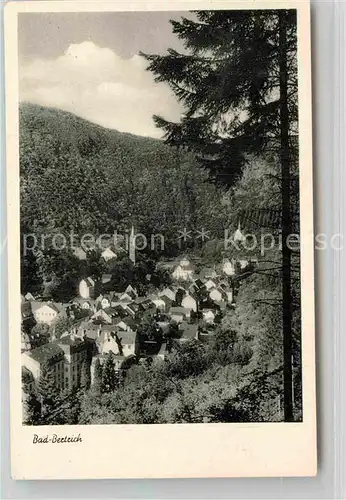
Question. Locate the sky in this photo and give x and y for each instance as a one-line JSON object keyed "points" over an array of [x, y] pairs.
{"points": [[88, 64]]}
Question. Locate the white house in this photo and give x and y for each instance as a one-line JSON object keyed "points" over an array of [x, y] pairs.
{"points": [[243, 263], [109, 344], [131, 291], [189, 302], [168, 292], [128, 343], [47, 312], [80, 253], [229, 294], [208, 315], [127, 325], [238, 235], [108, 254], [101, 315], [25, 342], [210, 284], [29, 296], [86, 305], [228, 267], [179, 314], [159, 303], [125, 297], [105, 302], [48, 353], [217, 294], [183, 271], [87, 288]]}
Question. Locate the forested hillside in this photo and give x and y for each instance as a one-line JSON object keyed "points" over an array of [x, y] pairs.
{"points": [[78, 175]]}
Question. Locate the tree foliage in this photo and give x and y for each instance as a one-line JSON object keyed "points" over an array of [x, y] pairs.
{"points": [[228, 80], [109, 380]]}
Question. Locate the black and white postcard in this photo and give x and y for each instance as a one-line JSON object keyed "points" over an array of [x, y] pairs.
{"points": [[160, 239]]}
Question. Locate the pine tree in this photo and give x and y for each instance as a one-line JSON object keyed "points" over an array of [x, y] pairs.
{"points": [[108, 375], [85, 379], [32, 408], [238, 84], [229, 83], [97, 382], [72, 405], [53, 406]]}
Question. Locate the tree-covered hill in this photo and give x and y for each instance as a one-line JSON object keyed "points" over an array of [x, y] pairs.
{"points": [[75, 174], [76, 132]]}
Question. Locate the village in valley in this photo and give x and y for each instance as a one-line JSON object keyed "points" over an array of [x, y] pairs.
{"points": [[131, 328], [160, 276]]}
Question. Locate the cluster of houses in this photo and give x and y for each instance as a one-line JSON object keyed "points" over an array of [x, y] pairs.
{"points": [[100, 323]]}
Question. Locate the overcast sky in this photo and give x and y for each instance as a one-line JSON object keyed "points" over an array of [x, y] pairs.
{"points": [[88, 63]]}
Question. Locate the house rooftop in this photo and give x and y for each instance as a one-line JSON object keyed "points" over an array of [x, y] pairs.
{"points": [[127, 337], [68, 340], [35, 305], [47, 352], [179, 310]]}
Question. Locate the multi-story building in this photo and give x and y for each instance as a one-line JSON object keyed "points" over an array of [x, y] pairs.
{"points": [[75, 353], [65, 356], [50, 354], [47, 312]]}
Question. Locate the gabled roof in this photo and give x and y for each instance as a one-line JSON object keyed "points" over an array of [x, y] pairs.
{"points": [[29, 296], [110, 248], [220, 290], [133, 307], [68, 340], [168, 292], [129, 322], [47, 352], [126, 296], [36, 305], [199, 283], [89, 281], [127, 337], [190, 295], [179, 310], [80, 253], [166, 300]]}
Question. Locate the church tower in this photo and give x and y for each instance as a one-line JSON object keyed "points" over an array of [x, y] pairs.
{"points": [[238, 235], [132, 246]]}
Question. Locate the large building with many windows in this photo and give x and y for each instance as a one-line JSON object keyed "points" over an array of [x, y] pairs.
{"points": [[51, 355], [64, 356], [75, 353]]}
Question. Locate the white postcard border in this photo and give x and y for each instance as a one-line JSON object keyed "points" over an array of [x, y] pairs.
{"points": [[178, 450]]}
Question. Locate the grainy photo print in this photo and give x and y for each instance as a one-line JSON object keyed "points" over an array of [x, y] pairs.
{"points": [[159, 217]]}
